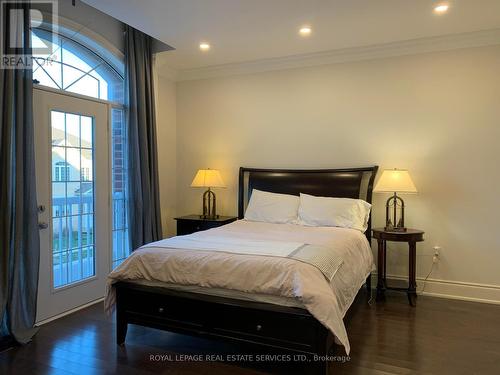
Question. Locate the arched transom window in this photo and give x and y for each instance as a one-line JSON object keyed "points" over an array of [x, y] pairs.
{"points": [[75, 68]]}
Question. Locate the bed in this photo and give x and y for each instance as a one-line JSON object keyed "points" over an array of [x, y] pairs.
{"points": [[240, 312]]}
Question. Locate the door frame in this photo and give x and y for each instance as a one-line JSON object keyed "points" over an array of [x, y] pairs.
{"points": [[102, 264]]}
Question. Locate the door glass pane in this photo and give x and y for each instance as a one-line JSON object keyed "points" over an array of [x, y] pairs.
{"points": [[86, 132], [73, 161], [72, 198], [86, 172], [72, 130], [58, 135]]}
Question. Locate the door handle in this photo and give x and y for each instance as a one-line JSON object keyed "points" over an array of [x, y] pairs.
{"points": [[43, 225]]}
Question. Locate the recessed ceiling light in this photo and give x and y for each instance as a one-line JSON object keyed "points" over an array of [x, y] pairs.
{"points": [[440, 9], [204, 46], [305, 30]]}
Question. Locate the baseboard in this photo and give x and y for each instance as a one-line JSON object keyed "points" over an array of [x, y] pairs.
{"points": [[475, 292], [48, 320]]}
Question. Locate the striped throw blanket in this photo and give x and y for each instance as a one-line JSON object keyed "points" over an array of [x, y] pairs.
{"points": [[321, 257]]}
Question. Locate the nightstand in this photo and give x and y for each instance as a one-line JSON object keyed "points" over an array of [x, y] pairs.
{"points": [[411, 236], [193, 223]]}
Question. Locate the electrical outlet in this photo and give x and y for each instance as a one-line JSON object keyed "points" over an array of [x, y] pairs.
{"points": [[435, 257]]}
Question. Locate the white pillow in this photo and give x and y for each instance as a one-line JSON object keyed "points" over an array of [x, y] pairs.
{"points": [[334, 212], [272, 207]]}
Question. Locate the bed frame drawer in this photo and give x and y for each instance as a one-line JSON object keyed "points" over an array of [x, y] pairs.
{"points": [[285, 327], [275, 326], [174, 311]]}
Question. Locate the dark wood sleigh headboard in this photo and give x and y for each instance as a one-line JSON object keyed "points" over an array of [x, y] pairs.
{"points": [[340, 183]]}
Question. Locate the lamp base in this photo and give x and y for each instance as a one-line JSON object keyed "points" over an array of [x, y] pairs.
{"points": [[399, 225], [209, 206]]}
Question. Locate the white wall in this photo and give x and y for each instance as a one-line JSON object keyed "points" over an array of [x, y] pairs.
{"points": [[166, 134], [436, 114]]}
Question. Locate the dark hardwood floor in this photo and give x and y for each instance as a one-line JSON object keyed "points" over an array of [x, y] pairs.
{"points": [[439, 336]]}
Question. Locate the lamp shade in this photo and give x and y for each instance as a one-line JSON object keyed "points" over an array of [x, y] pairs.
{"points": [[395, 181], [208, 178]]}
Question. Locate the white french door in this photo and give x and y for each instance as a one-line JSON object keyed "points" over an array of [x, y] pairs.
{"points": [[73, 192]]}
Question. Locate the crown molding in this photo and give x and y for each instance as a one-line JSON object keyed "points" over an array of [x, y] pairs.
{"points": [[408, 47]]}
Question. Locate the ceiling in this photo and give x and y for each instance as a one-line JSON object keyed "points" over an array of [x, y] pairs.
{"points": [[250, 30]]}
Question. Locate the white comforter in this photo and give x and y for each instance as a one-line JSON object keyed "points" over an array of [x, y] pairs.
{"points": [[274, 275]]}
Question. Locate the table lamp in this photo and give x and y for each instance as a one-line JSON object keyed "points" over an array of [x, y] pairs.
{"points": [[395, 181], [209, 178]]}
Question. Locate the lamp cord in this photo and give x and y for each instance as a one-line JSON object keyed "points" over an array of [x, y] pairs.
{"points": [[426, 277], [370, 301]]}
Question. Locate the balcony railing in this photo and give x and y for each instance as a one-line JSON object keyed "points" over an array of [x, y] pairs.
{"points": [[73, 242]]}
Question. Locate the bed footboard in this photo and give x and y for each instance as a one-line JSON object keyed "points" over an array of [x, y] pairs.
{"points": [[267, 325]]}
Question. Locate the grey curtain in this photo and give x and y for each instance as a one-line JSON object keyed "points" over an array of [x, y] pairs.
{"points": [[144, 201], [19, 238]]}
